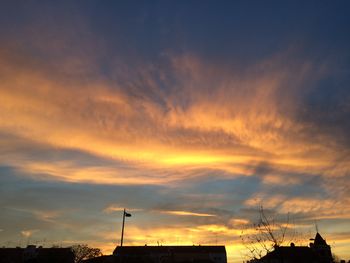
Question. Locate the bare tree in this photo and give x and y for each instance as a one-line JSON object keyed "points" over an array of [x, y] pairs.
{"points": [[83, 252], [262, 237]]}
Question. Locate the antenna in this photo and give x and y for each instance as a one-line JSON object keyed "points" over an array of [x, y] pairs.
{"points": [[316, 226]]}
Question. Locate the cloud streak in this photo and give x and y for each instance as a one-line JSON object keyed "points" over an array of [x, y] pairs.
{"points": [[187, 213]]}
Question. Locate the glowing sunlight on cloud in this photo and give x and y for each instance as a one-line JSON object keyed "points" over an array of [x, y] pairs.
{"points": [[28, 233], [116, 208], [106, 122], [187, 213]]}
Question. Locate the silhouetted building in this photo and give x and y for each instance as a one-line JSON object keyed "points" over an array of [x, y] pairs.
{"points": [[102, 259], [33, 254], [171, 254], [318, 252]]}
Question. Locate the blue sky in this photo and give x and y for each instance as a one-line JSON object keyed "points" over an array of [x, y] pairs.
{"points": [[190, 114]]}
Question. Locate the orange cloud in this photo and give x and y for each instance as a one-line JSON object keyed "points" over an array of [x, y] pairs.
{"points": [[116, 208], [28, 233], [187, 213], [237, 121]]}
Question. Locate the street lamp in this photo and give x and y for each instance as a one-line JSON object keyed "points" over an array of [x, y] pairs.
{"points": [[125, 214]]}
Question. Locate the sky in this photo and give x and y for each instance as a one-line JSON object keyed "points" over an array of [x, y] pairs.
{"points": [[189, 114]]}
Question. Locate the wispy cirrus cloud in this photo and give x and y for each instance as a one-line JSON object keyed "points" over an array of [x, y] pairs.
{"points": [[226, 133], [116, 208], [187, 213]]}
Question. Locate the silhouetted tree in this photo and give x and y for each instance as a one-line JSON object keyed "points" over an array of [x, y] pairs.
{"points": [[262, 237], [335, 258], [83, 252]]}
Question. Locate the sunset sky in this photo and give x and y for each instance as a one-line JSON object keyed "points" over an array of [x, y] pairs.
{"points": [[190, 114]]}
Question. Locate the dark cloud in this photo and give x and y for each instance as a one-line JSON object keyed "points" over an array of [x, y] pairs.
{"points": [[326, 109]]}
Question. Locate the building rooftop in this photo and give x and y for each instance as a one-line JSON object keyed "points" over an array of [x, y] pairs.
{"points": [[168, 249]]}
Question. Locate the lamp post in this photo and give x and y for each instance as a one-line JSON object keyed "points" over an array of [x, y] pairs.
{"points": [[125, 214]]}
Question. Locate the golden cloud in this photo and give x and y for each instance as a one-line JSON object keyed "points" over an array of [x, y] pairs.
{"points": [[187, 213], [103, 119]]}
